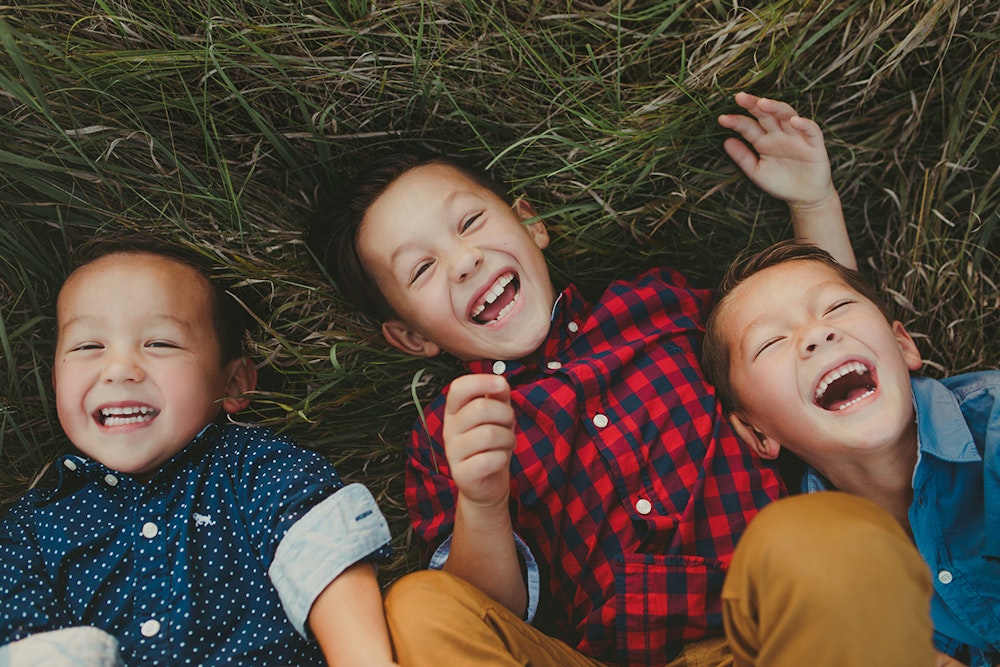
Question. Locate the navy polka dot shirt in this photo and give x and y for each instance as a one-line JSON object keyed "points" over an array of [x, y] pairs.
{"points": [[216, 560]]}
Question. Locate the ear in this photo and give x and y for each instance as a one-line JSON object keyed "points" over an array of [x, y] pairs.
{"points": [[404, 338], [242, 379], [764, 446], [906, 345], [536, 229]]}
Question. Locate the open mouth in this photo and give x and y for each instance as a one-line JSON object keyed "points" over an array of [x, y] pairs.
{"points": [[845, 386], [125, 415], [498, 300]]}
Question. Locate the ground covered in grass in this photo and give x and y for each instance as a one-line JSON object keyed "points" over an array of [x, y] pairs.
{"points": [[219, 122]]}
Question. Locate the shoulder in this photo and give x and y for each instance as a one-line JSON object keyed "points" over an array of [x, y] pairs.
{"points": [[657, 276], [248, 447], [979, 386], [658, 284], [661, 295], [971, 383], [23, 511]]}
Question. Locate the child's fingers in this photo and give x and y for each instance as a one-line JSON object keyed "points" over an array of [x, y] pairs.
{"points": [[741, 154], [745, 126], [772, 115], [488, 438], [774, 108], [484, 464], [480, 411], [469, 387], [809, 128], [746, 100]]}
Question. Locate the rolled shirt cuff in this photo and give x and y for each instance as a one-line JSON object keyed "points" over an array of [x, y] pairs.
{"points": [[533, 581], [345, 528], [81, 646]]}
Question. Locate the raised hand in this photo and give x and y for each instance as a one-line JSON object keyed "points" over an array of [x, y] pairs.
{"points": [[786, 156]]}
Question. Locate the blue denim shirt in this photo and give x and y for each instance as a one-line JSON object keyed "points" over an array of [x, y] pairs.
{"points": [[217, 559], [955, 515]]}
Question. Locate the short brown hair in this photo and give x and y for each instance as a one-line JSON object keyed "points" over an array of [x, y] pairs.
{"points": [[716, 354], [336, 224]]}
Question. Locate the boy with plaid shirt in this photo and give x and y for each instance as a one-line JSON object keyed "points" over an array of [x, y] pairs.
{"points": [[582, 475]]}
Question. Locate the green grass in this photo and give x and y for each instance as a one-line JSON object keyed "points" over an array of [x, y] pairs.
{"points": [[216, 121]]}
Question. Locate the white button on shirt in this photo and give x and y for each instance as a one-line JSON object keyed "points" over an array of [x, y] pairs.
{"points": [[573, 327], [150, 628], [70, 465], [110, 480], [499, 367], [944, 576], [643, 506], [553, 365], [600, 420], [149, 530]]}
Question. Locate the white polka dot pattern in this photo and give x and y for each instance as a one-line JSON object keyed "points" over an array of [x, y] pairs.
{"points": [[175, 569]]}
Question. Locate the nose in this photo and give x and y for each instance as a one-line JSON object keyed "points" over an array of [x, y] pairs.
{"points": [[122, 367], [816, 338], [465, 259]]}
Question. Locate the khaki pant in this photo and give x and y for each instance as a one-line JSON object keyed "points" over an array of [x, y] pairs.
{"points": [[822, 580]]}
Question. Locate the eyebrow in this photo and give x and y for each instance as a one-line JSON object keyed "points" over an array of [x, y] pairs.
{"points": [[445, 205], [153, 319]]}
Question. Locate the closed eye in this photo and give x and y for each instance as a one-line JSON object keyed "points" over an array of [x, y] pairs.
{"points": [[162, 344], [768, 343], [839, 304], [471, 220], [86, 346], [421, 269]]}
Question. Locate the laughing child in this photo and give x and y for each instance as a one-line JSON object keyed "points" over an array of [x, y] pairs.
{"points": [[168, 537], [582, 475], [806, 357]]}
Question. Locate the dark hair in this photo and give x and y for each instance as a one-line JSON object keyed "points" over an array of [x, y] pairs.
{"points": [[336, 224], [716, 354], [229, 318]]}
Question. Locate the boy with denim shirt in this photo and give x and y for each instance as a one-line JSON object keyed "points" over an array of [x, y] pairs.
{"points": [[168, 537], [805, 356]]}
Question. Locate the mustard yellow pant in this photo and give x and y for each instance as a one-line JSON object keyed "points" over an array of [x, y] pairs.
{"points": [[826, 579]]}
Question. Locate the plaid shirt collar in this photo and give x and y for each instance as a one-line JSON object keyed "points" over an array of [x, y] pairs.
{"points": [[569, 306]]}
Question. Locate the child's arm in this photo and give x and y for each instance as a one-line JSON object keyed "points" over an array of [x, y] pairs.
{"points": [[788, 160], [348, 622], [479, 441]]}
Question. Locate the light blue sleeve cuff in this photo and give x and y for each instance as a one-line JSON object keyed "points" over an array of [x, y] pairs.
{"points": [[440, 557], [81, 646], [332, 536]]}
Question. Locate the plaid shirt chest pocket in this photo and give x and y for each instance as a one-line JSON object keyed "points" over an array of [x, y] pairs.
{"points": [[663, 602]]}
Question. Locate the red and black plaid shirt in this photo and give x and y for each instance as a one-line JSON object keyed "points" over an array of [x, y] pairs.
{"points": [[627, 483]]}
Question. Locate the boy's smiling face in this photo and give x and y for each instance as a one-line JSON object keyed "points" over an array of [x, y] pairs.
{"points": [[458, 266], [138, 369], [815, 366]]}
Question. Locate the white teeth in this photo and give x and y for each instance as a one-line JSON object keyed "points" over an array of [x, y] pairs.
{"points": [[127, 415], [855, 400], [503, 311], [850, 367], [492, 293], [107, 412]]}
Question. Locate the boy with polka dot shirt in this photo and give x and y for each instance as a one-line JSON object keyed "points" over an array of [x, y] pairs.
{"points": [[166, 537]]}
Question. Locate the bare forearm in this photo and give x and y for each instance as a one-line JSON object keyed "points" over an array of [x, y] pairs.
{"points": [[823, 224], [484, 554], [348, 620]]}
